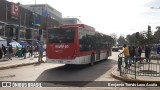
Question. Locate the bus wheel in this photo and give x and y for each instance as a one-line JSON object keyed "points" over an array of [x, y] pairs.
{"points": [[107, 58], [107, 55], [92, 59]]}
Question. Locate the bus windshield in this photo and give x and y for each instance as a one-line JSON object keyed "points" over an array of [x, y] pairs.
{"points": [[61, 35]]}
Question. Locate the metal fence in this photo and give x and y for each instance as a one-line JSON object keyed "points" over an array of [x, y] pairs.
{"points": [[140, 68]]}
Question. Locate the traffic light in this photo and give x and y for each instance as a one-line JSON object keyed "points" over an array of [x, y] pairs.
{"points": [[149, 30], [137, 34]]}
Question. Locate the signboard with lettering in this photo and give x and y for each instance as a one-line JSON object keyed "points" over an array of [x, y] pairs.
{"points": [[14, 11]]}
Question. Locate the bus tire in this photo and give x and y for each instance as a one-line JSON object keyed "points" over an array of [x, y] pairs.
{"points": [[92, 60], [107, 58], [107, 55]]}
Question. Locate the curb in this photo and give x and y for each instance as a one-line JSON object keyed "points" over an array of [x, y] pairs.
{"points": [[38, 56], [131, 79], [18, 65]]}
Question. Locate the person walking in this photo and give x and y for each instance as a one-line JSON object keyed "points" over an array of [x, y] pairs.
{"points": [[35, 50], [126, 55], [131, 54], [1, 53], [40, 51], [17, 50], [10, 51], [24, 51], [158, 51], [147, 53], [4, 50], [30, 51], [139, 54]]}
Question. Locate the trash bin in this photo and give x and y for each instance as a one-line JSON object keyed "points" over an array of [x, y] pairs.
{"points": [[119, 63]]}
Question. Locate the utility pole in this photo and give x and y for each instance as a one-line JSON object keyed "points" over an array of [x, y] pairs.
{"points": [[6, 20], [149, 33], [19, 13], [34, 28]]}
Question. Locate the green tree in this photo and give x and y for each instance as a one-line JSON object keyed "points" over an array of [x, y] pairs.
{"points": [[156, 36], [130, 39], [114, 36], [121, 40]]}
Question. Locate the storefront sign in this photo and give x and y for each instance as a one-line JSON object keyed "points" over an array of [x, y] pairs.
{"points": [[14, 11]]}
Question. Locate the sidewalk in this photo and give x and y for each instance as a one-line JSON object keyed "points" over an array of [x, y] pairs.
{"points": [[18, 61], [141, 68], [131, 78]]}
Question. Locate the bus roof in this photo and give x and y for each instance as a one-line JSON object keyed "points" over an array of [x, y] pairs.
{"points": [[78, 25]]}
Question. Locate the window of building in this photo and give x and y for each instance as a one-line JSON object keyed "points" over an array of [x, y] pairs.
{"points": [[28, 34], [1, 30], [22, 33], [9, 32], [36, 34], [44, 35]]}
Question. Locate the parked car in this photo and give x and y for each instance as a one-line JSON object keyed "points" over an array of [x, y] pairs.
{"points": [[120, 48], [116, 49]]}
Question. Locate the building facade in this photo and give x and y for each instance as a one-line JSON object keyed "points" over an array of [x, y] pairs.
{"points": [[18, 23], [71, 21], [45, 10]]}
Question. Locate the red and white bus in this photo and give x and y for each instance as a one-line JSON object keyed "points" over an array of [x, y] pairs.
{"points": [[76, 44]]}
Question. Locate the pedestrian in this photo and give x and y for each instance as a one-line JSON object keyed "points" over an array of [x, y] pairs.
{"points": [[131, 54], [4, 50], [136, 54], [40, 51], [126, 55], [10, 51], [147, 53], [139, 54], [35, 50], [24, 51], [17, 50], [158, 51], [1, 53], [139, 51], [30, 51]]}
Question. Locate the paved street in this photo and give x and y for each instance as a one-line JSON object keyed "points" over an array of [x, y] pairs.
{"points": [[58, 72]]}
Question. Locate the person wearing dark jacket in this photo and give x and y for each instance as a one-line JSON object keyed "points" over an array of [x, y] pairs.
{"points": [[24, 51], [10, 51], [4, 50], [147, 53], [1, 53], [158, 50], [132, 54]]}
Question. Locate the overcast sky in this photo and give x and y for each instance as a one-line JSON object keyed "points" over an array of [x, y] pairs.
{"points": [[108, 16]]}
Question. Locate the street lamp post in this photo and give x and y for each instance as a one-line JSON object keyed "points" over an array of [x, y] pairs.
{"points": [[6, 19]]}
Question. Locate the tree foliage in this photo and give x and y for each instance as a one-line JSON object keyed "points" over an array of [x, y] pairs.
{"points": [[121, 40], [156, 36], [114, 36], [144, 38]]}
